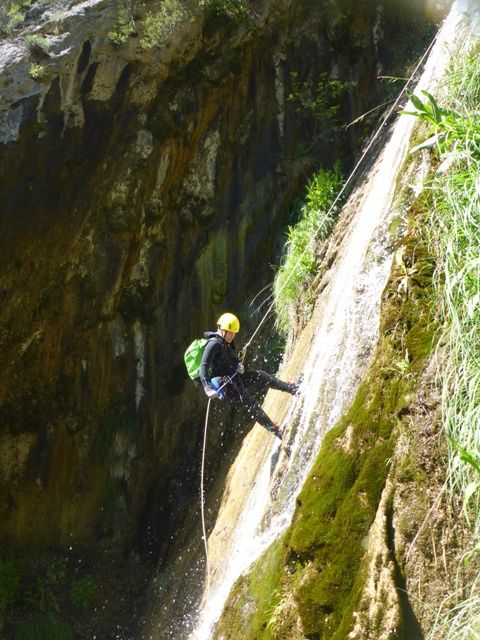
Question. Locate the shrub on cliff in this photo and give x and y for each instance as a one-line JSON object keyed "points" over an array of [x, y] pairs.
{"points": [[158, 25], [299, 265]]}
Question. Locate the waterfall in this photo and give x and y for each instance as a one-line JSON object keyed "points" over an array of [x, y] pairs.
{"points": [[333, 351]]}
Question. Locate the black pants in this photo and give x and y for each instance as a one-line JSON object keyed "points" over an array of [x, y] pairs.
{"points": [[239, 391]]}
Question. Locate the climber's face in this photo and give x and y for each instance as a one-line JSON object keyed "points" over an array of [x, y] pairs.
{"points": [[228, 336]]}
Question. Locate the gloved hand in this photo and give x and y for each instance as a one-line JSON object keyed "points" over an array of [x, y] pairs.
{"points": [[210, 393], [218, 384], [240, 368]]}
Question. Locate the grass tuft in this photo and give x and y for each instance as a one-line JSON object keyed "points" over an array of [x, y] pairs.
{"points": [[293, 279]]}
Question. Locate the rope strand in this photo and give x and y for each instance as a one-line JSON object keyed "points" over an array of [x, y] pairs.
{"points": [[202, 498]]}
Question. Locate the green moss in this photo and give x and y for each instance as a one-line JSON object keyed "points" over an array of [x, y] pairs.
{"points": [[336, 508], [259, 594]]}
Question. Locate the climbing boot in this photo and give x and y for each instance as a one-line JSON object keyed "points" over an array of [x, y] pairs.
{"points": [[275, 429]]}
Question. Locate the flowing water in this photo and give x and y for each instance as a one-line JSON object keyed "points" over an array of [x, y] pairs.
{"points": [[335, 350]]}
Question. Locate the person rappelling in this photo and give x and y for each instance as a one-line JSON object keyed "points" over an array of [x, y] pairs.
{"points": [[223, 376]]}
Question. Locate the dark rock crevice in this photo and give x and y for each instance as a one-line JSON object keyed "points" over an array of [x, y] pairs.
{"points": [[410, 626]]}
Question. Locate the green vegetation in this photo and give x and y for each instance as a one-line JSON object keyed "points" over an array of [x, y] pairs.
{"points": [[82, 593], [293, 280], [9, 587], [37, 42], [260, 590], [14, 12], [32, 603], [43, 626], [37, 71], [320, 99], [233, 9], [454, 201], [157, 27], [125, 26]]}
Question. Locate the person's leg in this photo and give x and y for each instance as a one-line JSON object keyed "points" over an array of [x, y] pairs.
{"points": [[261, 381], [234, 392], [255, 411]]}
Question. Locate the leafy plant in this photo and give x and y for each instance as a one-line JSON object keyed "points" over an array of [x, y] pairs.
{"points": [[300, 263], [37, 42], [12, 14], [402, 365], [125, 26], [41, 597], [82, 593], [321, 98], [453, 198], [57, 571], [449, 132], [159, 26], [37, 71], [231, 8]]}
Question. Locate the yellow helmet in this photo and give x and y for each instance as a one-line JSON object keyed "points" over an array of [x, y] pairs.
{"points": [[229, 322]]}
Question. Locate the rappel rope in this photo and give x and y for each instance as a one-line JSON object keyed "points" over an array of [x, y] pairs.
{"points": [[202, 483], [243, 352], [202, 498]]}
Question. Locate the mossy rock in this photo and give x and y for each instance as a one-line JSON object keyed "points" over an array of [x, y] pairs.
{"points": [[316, 584]]}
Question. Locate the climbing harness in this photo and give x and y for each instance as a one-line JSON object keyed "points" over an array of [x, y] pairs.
{"points": [[243, 352]]}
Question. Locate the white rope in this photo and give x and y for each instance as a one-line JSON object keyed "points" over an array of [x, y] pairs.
{"points": [[202, 499]]}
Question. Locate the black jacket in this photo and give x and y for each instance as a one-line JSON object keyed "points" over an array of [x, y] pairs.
{"points": [[219, 358]]}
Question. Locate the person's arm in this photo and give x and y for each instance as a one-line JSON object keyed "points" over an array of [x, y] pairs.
{"points": [[237, 366], [207, 362]]}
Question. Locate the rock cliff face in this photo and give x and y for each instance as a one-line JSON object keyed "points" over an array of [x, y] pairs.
{"points": [[142, 190]]}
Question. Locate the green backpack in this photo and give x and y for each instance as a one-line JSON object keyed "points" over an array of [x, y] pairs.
{"points": [[193, 357]]}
